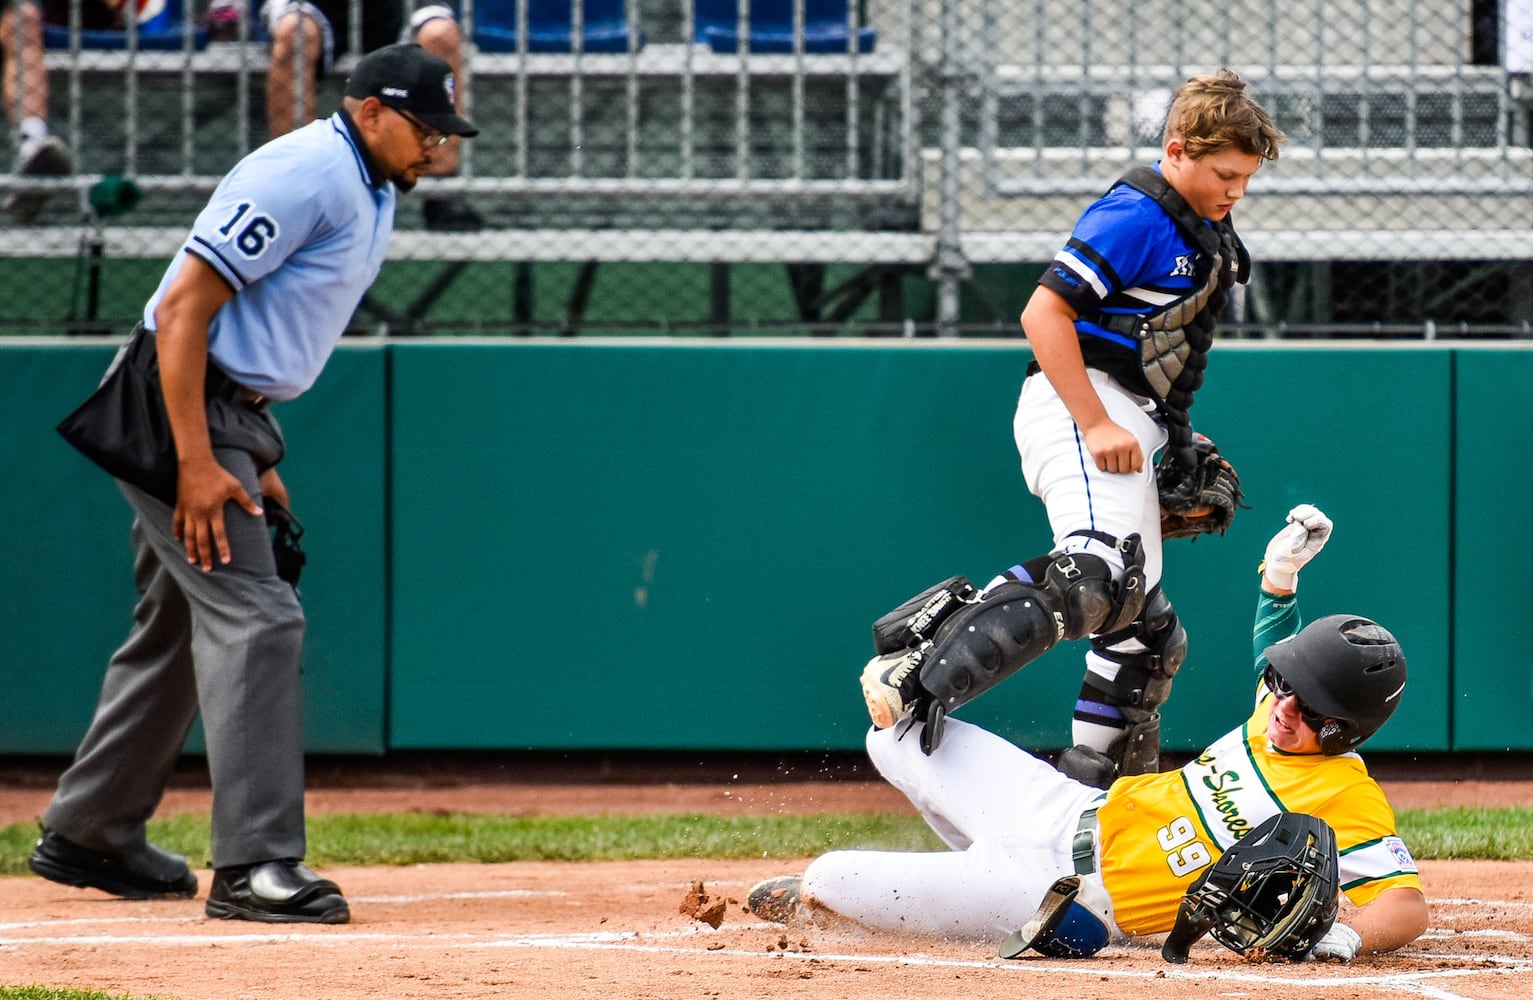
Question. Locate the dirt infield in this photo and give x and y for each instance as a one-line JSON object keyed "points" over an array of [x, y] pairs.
{"points": [[614, 929]]}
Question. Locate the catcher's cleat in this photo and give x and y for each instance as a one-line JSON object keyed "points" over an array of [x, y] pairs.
{"points": [[778, 899], [891, 684]]}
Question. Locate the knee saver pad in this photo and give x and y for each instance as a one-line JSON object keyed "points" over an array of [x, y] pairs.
{"points": [[983, 643], [917, 620]]}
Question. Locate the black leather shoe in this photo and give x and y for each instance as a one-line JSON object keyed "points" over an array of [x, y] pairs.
{"points": [[276, 892], [150, 873]]}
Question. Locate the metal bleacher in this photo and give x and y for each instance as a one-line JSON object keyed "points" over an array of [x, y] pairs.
{"points": [[550, 123], [669, 133], [1401, 148], [940, 135]]}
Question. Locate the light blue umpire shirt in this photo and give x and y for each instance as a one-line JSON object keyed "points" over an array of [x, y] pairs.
{"points": [[299, 229]]}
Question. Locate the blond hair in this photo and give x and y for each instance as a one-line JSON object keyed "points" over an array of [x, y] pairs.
{"points": [[1212, 113]]}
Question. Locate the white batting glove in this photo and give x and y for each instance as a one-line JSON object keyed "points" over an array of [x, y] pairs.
{"points": [[1291, 549], [1339, 944]]}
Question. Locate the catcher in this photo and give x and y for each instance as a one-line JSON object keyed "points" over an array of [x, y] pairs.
{"points": [[1120, 325], [1240, 842]]}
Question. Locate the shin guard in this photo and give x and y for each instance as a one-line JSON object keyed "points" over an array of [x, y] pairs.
{"points": [[1142, 684]]}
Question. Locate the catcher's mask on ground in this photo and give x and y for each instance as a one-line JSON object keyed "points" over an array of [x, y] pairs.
{"points": [[1348, 670], [1272, 894]]}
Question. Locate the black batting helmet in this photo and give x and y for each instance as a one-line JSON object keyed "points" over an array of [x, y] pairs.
{"points": [[1271, 895], [1347, 669]]}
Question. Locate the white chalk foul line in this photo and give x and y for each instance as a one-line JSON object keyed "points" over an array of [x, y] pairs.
{"points": [[1504, 904], [328, 936], [22, 925], [1447, 935], [1422, 983]]}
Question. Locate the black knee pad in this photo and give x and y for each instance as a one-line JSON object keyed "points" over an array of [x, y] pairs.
{"points": [[1144, 678], [983, 643], [1085, 591], [1092, 597]]}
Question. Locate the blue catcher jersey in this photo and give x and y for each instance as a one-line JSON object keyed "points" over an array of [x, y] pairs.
{"points": [[1126, 255], [299, 230]]}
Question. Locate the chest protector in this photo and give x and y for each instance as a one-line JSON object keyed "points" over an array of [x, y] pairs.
{"points": [[1173, 341]]}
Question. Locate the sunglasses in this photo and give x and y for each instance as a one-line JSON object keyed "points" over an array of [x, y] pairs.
{"points": [[1282, 689], [430, 137]]}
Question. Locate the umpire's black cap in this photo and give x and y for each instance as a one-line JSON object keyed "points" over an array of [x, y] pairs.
{"points": [[409, 78]]}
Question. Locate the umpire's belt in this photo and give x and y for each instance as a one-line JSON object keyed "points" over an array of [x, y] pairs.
{"points": [[223, 387], [1084, 847], [217, 384]]}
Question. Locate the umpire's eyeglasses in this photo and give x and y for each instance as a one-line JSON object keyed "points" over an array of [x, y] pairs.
{"points": [[1282, 689], [430, 137]]}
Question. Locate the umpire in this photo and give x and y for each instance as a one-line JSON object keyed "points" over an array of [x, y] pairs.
{"points": [[247, 313]]}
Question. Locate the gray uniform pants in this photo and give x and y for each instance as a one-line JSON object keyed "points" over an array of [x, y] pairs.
{"points": [[228, 642]]}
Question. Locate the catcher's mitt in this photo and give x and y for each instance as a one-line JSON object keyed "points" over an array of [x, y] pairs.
{"points": [[1199, 500]]}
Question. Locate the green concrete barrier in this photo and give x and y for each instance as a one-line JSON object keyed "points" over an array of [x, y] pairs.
{"points": [[1491, 702], [68, 562], [681, 544]]}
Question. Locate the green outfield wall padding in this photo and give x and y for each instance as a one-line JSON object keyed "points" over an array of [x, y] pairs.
{"points": [[684, 546], [65, 553], [681, 545], [626, 546], [1338, 428], [336, 470], [1492, 704], [68, 562]]}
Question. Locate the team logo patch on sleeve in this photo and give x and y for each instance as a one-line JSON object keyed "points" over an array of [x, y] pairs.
{"points": [[1400, 853]]}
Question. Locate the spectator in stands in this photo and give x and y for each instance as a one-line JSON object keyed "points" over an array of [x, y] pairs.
{"points": [[307, 35], [38, 154]]}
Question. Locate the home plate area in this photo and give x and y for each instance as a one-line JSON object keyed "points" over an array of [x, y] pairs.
{"points": [[646, 929]]}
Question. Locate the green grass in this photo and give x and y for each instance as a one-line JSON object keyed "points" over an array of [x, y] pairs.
{"points": [[49, 993], [1469, 833], [421, 838]]}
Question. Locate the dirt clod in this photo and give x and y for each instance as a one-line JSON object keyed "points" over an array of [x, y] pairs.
{"points": [[700, 906]]}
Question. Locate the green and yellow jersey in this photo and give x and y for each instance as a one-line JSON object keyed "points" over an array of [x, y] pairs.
{"points": [[1160, 831]]}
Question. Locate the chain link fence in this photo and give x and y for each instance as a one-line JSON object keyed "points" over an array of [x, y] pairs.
{"points": [[819, 167]]}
